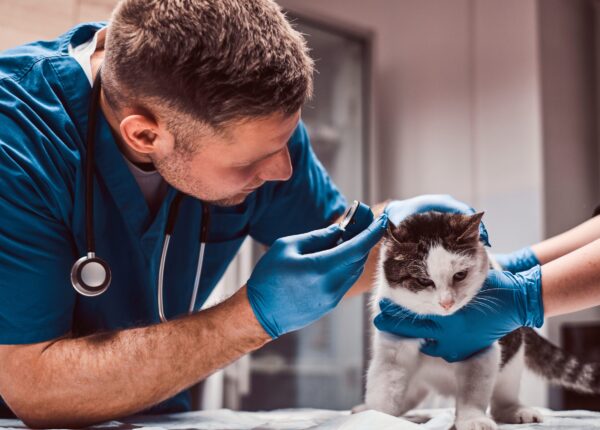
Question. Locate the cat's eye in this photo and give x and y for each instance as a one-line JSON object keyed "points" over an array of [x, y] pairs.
{"points": [[459, 276], [424, 282]]}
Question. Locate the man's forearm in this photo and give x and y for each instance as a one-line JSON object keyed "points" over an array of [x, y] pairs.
{"points": [[572, 282], [562, 244], [77, 382]]}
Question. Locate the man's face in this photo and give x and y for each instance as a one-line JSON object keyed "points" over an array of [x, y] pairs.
{"points": [[230, 165]]}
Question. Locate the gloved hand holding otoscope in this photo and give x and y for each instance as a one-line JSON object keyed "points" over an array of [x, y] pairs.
{"points": [[303, 277]]}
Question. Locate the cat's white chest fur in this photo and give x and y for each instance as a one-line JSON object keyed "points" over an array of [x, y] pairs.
{"points": [[400, 377]]}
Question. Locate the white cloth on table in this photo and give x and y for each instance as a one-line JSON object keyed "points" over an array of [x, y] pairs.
{"points": [[319, 419]]}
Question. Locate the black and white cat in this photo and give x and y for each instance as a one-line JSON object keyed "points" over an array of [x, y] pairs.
{"points": [[434, 263]]}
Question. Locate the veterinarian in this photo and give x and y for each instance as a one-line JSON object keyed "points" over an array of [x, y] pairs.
{"points": [[557, 276], [134, 160]]}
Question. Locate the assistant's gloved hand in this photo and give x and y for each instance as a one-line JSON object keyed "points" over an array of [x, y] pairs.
{"points": [[303, 277], [518, 261], [398, 210], [505, 303]]}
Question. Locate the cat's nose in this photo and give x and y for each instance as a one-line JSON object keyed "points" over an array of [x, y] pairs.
{"points": [[447, 303]]}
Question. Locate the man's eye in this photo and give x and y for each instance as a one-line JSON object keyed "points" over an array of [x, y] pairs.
{"points": [[424, 282], [459, 276]]}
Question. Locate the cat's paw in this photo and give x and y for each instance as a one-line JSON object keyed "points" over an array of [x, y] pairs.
{"points": [[387, 400], [417, 418], [359, 408], [387, 407], [518, 415], [479, 423]]}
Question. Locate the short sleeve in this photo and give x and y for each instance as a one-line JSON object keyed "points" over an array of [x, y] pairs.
{"points": [[307, 201], [36, 253]]}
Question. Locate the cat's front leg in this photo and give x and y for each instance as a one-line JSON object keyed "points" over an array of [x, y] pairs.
{"points": [[475, 379], [390, 372]]}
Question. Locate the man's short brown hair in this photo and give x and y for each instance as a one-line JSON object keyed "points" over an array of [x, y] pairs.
{"points": [[216, 60]]}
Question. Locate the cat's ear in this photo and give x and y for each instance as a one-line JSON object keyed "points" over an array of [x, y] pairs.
{"points": [[398, 236], [471, 228], [394, 233]]}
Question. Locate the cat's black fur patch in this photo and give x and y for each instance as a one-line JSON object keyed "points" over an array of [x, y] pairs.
{"points": [[412, 239], [455, 232]]}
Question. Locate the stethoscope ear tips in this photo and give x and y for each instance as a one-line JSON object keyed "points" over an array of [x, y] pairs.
{"points": [[90, 275]]}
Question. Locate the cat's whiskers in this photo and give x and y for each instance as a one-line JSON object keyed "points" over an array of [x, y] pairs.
{"points": [[401, 314], [477, 308], [485, 300], [477, 304], [492, 289], [484, 294], [492, 301]]}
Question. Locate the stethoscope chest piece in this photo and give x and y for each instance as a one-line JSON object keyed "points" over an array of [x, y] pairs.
{"points": [[90, 275]]}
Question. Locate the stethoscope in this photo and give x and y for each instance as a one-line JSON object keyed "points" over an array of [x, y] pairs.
{"points": [[90, 275]]}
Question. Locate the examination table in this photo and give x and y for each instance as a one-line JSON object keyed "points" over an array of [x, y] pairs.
{"points": [[318, 419]]}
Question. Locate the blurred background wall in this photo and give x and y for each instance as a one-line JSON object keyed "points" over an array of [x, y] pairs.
{"points": [[493, 101]]}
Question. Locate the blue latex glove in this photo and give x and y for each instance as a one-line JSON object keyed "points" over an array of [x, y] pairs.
{"points": [[398, 210], [303, 277], [518, 261], [505, 303]]}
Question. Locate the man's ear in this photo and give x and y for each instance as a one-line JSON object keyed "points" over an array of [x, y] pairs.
{"points": [[140, 133]]}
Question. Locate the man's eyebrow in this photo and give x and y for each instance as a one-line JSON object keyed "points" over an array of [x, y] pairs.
{"points": [[266, 155]]}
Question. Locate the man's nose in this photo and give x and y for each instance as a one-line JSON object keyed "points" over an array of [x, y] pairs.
{"points": [[278, 167]]}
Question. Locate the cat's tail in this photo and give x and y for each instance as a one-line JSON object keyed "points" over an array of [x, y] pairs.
{"points": [[559, 366]]}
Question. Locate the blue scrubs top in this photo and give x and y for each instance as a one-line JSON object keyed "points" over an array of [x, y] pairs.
{"points": [[44, 96]]}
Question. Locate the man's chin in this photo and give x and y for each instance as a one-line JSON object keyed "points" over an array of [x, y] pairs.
{"points": [[231, 201]]}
